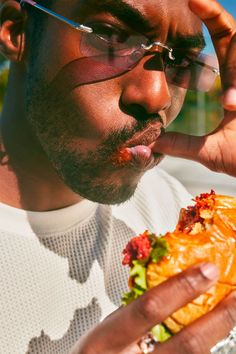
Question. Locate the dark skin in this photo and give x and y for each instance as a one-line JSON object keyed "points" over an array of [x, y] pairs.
{"points": [[36, 135], [79, 143], [216, 150]]}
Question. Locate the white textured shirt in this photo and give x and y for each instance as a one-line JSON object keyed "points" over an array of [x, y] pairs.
{"points": [[61, 270]]}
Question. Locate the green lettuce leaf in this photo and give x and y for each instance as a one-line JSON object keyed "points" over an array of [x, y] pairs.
{"points": [[161, 333], [160, 249], [138, 273]]}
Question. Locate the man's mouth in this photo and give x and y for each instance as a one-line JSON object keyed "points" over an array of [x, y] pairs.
{"points": [[137, 150]]}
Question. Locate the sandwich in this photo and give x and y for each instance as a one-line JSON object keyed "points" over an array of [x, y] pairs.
{"points": [[205, 232]]}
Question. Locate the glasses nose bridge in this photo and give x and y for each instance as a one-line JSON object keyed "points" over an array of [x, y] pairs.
{"points": [[155, 47]]}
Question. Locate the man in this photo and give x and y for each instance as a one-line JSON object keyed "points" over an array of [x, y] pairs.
{"points": [[83, 120]]}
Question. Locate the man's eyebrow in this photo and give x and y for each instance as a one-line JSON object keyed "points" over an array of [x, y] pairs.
{"points": [[131, 16], [188, 41], [134, 19]]}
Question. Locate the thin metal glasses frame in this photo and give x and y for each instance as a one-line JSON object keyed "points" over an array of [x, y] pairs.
{"points": [[82, 28], [75, 25], [86, 29]]}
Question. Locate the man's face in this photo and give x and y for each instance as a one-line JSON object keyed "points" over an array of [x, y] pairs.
{"points": [[82, 117]]}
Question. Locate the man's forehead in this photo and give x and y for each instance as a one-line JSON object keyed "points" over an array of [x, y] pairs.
{"points": [[149, 16]]}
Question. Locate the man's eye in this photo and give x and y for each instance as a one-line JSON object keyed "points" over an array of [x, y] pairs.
{"points": [[182, 59], [112, 35], [110, 40], [182, 62]]}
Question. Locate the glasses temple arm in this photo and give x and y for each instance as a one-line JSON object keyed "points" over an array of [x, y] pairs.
{"points": [[212, 68], [73, 24]]}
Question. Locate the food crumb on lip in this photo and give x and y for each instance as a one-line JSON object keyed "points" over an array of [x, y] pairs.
{"points": [[122, 157], [127, 155]]}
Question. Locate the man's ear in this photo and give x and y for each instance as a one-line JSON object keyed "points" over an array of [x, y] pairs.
{"points": [[12, 36]]}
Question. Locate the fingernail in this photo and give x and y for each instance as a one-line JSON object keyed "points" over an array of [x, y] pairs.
{"points": [[229, 99], [209, 271]]}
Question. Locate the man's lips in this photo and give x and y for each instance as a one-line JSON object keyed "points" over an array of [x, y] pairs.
{"points": [[137, 150]]}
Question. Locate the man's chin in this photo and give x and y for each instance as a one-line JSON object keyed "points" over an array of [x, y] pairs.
{"points": [[105, 193], [102, 183]]}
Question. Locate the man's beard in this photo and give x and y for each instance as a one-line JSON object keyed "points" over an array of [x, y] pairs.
{"points": [[90, 174], [86, 177]]}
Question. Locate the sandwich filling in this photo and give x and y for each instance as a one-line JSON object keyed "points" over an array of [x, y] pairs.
{"points": [[149, 248]]}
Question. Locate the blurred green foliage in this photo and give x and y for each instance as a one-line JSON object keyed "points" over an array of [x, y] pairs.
{"points": [[3, 78], [201, 112], [3, 82]]}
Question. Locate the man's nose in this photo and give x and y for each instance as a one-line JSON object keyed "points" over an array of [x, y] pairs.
{"points": [[146, 87]]}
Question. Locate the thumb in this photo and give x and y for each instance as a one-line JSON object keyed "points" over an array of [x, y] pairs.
{"points": [[180, 145]]}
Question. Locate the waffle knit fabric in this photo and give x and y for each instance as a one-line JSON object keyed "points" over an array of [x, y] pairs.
{"points": [[61, 270]]}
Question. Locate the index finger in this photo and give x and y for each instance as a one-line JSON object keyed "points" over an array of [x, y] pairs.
{"points": [[220, 23], [131, 322]]}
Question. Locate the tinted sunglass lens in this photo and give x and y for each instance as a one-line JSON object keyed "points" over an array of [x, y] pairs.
{"points": [[123, 55], [189, 71], [199, 75]]}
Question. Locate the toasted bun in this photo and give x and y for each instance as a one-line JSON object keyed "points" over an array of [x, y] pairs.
{"points": [[205, 232]]}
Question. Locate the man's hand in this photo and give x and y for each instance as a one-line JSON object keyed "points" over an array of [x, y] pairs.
{"points": [[217, 150], [121, 331]]}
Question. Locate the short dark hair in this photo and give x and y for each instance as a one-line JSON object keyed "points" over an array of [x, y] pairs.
{"points": [[37, 16], [37, 21]]}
